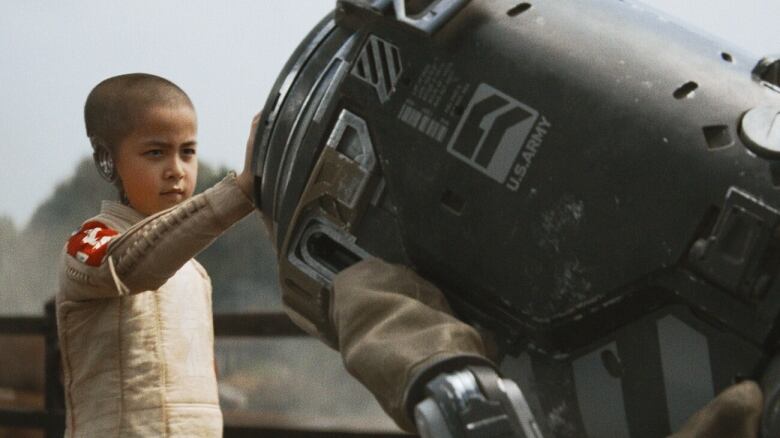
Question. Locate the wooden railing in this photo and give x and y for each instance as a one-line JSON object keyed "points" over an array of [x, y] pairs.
{"points": [[52, 418]]}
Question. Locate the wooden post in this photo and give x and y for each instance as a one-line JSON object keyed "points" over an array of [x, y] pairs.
{"points": [[54, 392]]}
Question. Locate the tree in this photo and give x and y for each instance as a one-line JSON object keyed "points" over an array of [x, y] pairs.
{"points": [[241, 263]]}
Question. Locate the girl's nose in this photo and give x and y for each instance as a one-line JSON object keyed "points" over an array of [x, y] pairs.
{"points": [[175, 170]]}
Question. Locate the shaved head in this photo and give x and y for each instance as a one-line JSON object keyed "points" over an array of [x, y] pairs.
{"points": [[116, 105]]}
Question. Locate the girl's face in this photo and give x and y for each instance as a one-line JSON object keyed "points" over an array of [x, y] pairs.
{"points": [[157, 162]]}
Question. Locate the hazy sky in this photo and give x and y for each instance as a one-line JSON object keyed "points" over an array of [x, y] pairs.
{"points": [[225, 54]]}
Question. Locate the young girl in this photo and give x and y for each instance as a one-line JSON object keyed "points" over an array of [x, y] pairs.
{"points": [[134, 308]]}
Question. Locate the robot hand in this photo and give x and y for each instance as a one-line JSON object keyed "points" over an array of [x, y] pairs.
{"points": [[474, 403]]}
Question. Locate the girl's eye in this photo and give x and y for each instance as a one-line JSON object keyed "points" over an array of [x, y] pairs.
{"points": [[154, 153], [188, 151]]}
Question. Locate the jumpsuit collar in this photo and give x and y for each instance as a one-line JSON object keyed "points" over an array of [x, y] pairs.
{"points": [[121, 211]]}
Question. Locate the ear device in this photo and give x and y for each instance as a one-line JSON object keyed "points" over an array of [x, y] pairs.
{"points": [[104, 162]]}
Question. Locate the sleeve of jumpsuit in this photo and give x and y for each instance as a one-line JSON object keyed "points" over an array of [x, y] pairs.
{"points": [[148, 254]]}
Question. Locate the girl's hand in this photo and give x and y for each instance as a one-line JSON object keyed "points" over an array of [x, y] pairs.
{"points": [[246, 179]]}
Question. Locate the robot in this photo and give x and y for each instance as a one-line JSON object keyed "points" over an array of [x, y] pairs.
{"points": [[590, 182]]}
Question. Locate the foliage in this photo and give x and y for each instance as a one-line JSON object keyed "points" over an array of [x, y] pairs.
{"points": [[241, 263]]}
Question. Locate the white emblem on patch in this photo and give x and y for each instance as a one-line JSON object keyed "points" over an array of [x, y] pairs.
{"points": [[91, 238]]}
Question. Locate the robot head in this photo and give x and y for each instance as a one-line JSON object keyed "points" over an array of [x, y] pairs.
{"points": [[593, 183]]}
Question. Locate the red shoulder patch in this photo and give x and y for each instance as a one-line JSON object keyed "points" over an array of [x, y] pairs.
{"points": [[90, 243]]}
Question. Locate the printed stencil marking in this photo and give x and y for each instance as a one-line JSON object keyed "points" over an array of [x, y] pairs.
{"points": [[423, 122], [379, 65], [492, 132]]}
